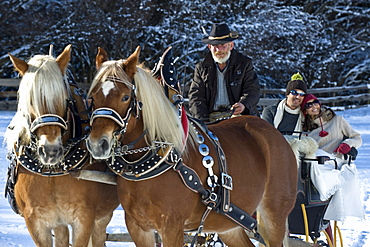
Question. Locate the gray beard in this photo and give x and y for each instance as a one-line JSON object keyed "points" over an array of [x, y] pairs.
{"points": [[222, 60]]}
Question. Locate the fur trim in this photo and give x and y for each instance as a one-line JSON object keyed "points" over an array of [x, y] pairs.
{"points": [[326, 114], [305, 146]]}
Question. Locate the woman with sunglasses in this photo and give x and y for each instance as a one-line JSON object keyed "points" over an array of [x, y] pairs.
{"points": [[339, 140], [332, 132]]}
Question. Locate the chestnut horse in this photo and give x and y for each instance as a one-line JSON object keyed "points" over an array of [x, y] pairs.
{"points": [[45, 141], [138, 130]]}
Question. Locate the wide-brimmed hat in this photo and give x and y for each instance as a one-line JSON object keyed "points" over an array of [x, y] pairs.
{"points": [[220, 34]]}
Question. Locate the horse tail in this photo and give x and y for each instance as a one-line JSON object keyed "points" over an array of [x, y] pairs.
{"points": [[278, 197]]}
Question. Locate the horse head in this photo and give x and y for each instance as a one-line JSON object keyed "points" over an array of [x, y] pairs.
{"points": [[113, 98], [130, 109], [41, 116]]}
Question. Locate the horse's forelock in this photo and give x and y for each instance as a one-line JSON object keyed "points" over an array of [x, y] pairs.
{"points": [[42, 85], [111, 68]]}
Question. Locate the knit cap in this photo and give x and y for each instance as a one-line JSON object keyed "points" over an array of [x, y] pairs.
{"points": [[296, 82]]}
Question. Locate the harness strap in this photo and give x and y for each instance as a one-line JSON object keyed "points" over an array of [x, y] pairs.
{"points": [[226, 180], [10, 182], [190, 179], [111, 114], [201, 225], [211, 200]]}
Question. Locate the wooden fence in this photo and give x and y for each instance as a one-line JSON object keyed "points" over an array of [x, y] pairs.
{"points": [[353, 95], [8, 99], [328, 96]]}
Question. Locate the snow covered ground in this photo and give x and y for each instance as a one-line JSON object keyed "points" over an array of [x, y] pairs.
{"points": [[356, 232]]}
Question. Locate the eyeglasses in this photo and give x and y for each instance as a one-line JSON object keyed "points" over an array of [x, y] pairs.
{"points": [[295, 93], [311, 104]]}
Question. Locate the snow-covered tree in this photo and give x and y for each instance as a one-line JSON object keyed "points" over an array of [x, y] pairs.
{"points": [[326, 40]]}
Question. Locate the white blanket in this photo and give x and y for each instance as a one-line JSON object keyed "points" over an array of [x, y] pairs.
{"points": [[343, 185], [347, 200], [326, 178]]}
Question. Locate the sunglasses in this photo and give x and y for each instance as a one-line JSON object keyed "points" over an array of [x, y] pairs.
{"points": [[311, 104], [295, 93]]}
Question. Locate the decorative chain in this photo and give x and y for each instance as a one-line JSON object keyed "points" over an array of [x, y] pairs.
{"points": [[120, 150]]}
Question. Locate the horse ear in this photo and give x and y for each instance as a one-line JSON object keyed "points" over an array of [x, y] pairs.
{"points": [[100, 58], [63, 58], [20, 65], [130, 64]]}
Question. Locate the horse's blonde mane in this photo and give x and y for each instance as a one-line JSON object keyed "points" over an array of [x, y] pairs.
{"points": [[160, 117], [41, 91]]}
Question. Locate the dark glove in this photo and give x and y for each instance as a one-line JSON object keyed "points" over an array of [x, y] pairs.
{"points": [[353, 153]]}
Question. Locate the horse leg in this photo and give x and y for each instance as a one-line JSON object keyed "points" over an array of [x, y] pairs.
{"points": [[99, 233], [140, 237], [82, 229], [40, 234], [172, 233], [61, 236], [272, 224], [236, 237]]}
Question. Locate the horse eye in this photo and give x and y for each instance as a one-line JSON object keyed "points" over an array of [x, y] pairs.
{"points": [[125, 98]]}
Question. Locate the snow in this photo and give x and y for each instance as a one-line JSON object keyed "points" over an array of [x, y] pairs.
{"points": [[355, 232]]}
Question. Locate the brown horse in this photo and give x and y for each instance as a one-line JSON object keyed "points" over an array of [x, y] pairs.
{"points": [[44, 145], [139, 132]]}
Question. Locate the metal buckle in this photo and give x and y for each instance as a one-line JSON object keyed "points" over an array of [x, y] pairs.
{"points": [[226, 181]]}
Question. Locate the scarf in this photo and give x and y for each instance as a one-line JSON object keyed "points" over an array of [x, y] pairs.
{"points": [[280, 113]]}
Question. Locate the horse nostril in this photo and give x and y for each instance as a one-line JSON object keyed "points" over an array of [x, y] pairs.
{"points": [[104, 144], [60, 151], [41, 151]]}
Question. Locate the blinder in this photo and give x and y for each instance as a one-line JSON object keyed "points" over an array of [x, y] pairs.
{"points": [[48, 119]]}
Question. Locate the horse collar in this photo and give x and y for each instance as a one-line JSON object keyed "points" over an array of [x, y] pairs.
{"points": [[74, 158], [158, 158]]}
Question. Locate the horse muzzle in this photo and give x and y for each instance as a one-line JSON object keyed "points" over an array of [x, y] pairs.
{"points": [[50, 154], [100, 149]]}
